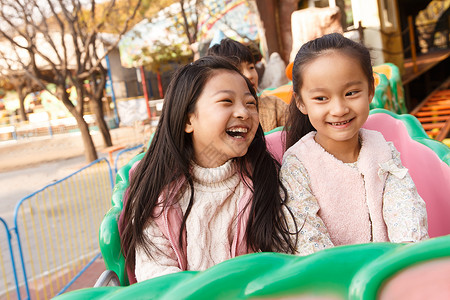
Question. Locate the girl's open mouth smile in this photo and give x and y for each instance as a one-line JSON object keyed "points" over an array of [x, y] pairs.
{"points": [[237, 132], [340, 124]]}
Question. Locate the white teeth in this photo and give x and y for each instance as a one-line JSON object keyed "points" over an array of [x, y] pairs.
{"points": [[244, 130], [339, 123]]}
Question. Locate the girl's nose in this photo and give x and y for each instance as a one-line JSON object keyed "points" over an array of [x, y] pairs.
{"points": [[339, 107], [241, 112]]}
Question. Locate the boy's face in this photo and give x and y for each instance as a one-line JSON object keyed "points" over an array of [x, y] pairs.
{"points": [[249, 71]]}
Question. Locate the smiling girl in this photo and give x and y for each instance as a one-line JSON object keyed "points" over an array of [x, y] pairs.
{"points": [[207, 189], [346, 184], [272, 110]]}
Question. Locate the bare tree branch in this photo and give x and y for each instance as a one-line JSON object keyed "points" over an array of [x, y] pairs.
{"points": [[57, 41], [121, 32]]}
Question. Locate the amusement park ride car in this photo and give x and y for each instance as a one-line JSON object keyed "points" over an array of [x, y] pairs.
{"points": [[364, 271]]}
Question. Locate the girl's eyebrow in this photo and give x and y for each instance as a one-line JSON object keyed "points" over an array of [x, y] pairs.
{"points": [[223, 92], [355, 82], [319, 89], [230, 92]]}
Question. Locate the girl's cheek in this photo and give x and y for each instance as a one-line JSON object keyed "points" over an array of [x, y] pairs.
{"points": [[256, 116]]}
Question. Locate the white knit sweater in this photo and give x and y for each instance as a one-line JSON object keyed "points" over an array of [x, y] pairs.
{"points": [[210, 227]]}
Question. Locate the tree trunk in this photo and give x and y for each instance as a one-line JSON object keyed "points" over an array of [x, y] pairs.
{"points": [[95, 91], [97, 108], [89, 148], [20, 94]]}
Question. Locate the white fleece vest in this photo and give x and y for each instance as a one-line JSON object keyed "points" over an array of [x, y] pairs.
{"points": [[350, 200]]}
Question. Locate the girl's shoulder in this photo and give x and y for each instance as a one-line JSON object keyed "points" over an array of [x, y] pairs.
{"points": [[374, 140], [296, 153], [302, 144], [376, 151], [371, 135]]}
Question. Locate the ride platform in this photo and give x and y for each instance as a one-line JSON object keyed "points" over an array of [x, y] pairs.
{"points": [[434, 112], [431, 72]]}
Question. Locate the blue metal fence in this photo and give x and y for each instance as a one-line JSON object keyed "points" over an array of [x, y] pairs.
{"points": [[54, 237], [55, 231], [125, 155], [8, 270]]}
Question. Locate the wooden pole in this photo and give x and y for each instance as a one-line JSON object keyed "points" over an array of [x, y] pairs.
{"points": [[412, 43]]}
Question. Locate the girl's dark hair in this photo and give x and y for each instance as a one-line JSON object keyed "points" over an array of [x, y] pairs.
{"points": [[298, 124], [233, 50], [170, 154]]}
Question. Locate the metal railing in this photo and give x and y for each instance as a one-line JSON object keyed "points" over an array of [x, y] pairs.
{"points": [[56, 233], [26, 129], [125, 155], [7, 267]]}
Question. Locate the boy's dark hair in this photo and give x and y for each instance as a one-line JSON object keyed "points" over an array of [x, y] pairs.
{"points": [[169, 157], [233, 50], [298, 124]]}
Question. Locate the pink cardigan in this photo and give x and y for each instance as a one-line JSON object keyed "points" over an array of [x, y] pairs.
{"points": [[353, 214]]}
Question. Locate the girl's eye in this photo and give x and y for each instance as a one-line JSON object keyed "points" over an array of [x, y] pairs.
{"points": [[320, 98], [226, 101], [253, 102], [352, 93]]}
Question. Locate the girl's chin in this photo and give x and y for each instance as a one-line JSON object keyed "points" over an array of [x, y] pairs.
{"points": [[241, 152]]}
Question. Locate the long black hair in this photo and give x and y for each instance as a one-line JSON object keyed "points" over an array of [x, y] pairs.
{"points": [[169, 157], [298, 124]]}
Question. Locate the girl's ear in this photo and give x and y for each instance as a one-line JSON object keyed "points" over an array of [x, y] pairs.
{"points": [[188, 128], [299, 104]]}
